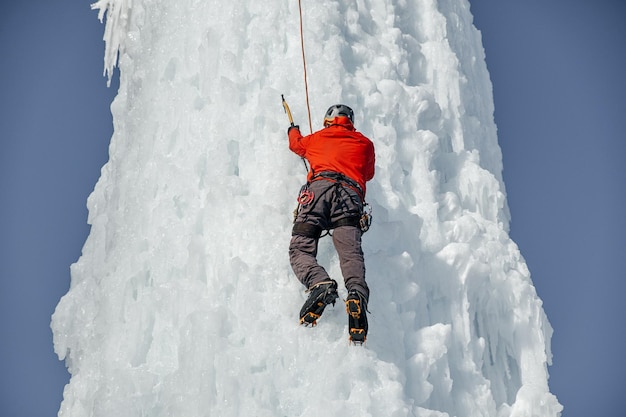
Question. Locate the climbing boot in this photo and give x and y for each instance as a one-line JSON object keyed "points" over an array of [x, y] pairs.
{"points": [[356, 307], [320, 295]]}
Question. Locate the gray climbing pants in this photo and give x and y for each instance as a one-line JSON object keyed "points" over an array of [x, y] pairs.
{"points": [[337, 207]]}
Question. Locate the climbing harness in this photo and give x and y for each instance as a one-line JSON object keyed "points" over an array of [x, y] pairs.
{"points": [[362, 219], [338, 177]]}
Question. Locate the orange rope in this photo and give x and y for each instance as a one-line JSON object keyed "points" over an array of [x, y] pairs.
{"points": [[306, 84]]}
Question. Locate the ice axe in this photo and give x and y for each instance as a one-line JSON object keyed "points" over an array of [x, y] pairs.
{"points": [[286, 107]]}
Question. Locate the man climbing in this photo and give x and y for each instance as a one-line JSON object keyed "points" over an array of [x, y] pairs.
{"points": [[341, 162]]}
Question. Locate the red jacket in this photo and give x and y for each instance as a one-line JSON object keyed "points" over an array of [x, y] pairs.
{"points": [[338, 148]]}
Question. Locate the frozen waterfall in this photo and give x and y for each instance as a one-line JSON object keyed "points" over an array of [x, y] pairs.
{"points": [[183, 302]]}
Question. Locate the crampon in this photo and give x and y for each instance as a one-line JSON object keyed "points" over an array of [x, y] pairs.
{"points": [[320, 296], [356, 308]]}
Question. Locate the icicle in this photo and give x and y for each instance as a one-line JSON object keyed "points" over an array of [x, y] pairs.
{"points": [[117, 14]]}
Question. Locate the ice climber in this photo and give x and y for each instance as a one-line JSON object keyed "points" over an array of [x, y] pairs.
{"points": [[341, 162]]}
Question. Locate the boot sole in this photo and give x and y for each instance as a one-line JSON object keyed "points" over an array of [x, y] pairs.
{"points": [[310, 317]]}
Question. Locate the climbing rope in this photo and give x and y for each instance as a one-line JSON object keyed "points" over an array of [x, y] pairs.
{"points": [[306, 84]]}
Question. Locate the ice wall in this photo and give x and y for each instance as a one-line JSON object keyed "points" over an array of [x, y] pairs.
{"points": [[183, 302]]}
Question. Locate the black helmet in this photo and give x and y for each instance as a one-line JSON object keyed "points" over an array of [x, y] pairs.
{"points": [[338, 110]]}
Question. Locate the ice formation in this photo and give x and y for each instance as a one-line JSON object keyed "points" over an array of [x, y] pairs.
{"points": [[183, 302]]}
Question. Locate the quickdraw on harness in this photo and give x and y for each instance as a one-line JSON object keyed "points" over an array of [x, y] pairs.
{"points": [[366, 218]]}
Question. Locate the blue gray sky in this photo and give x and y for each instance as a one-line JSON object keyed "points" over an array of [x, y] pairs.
{"points": [[560, 96]]}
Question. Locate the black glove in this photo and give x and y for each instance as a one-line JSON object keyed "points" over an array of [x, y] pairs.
{"points": [[293, 127]]}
